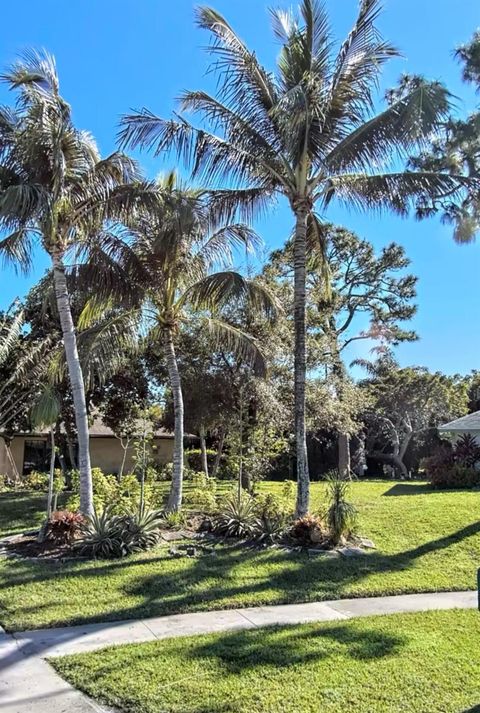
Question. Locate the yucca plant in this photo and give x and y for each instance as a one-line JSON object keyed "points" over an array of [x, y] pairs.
{"points": [[341, 515]]}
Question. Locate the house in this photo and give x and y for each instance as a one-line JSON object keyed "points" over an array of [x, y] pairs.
{"points": [[466, 424], [31, 451]]}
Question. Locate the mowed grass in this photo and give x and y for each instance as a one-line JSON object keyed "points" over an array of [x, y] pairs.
{"points": [[20, 512], [426, 541], [410, 663]]}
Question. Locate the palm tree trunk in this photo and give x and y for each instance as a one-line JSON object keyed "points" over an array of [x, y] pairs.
{"points": [[76, 383], [300, 248], [51, 474], [344, 455], [203, 449], [219, 453], [175, 497]]}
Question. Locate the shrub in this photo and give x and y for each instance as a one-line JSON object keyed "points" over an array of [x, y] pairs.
{"points": [[269, 505], [288, 490], [119, 495], [200, 498], [39, 481], [309, 529], [193, 458], [63, 526], [454, 467], [236, 518], [174, 520], [341, 515], [455, 476], [109, 535], [467, 451]]}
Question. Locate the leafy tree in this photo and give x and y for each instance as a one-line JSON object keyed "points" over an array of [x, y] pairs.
{"points": [[164, 269], [406, 402], [308, 132], [55, 190], [367, 297]]}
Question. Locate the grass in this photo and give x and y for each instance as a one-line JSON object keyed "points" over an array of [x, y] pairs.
{"points": [[408, 663], [20, 512], [426, 540]]}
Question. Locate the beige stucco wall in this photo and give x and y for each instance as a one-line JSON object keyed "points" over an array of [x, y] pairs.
{"points": [[106, 453]]}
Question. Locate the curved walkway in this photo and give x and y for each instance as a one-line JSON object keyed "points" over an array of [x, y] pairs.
{"points": [[28, 683]]}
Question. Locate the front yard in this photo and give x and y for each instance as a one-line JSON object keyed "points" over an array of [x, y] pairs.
{"points": [[426, 541], [411, 663]]}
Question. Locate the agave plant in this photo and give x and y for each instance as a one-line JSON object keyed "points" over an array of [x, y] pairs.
{"points": [[107, 536], [236, 518]]}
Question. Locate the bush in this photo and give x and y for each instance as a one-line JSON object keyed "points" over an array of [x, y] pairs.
{"points": [[309, 529], [63, 526], [236, 518], [341, 515], [119, 495], [109, 535], [193, 459], [39, 481], [454, 467], [201, 498], [455, 476]]}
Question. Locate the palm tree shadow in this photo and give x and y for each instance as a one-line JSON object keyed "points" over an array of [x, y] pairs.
{"points": [[288, 646]]}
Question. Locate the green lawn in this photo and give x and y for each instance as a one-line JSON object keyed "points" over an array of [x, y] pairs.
{"points": [[20, 512], [410, 663], [426, 541]]}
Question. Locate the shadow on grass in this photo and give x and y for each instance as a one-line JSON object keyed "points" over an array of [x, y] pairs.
{"points": [[234, 577], [410, 489], [288, 646]]}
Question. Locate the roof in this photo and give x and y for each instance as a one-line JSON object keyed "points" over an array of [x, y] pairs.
{"points": [[470, 422], [97, 430]]}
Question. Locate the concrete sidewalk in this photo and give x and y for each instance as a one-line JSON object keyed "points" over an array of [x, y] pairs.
{"points": [[28, 684]]}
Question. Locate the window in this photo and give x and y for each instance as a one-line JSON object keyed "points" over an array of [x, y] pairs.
{"points": [[36, 456]]}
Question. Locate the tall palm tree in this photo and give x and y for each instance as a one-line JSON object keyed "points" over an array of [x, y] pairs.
{"points": [[307, 131], [55, 190], [163, 267]]}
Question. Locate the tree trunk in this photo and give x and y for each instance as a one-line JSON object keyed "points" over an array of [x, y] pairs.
{"points": [[218, 456], [43, 530], [76, 383], [203, 449], [344, 455], [303, 480], [175, 497], [394, 460]]}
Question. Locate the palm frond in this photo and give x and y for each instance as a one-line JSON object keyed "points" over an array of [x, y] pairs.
{"points": [[219, 248], [9, 332], [16, 249], [222, 288], [231, 339], [392, 191], [46, 406], [403, 128]]}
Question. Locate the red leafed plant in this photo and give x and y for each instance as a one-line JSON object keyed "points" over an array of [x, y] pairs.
{"points": [[63, 525]]}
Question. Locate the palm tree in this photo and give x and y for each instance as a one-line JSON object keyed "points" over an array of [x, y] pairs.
{"points": [[163, 267], [307, 131], [55, 190]]}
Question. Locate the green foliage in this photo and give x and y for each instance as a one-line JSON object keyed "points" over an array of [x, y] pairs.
{"points": [[174, 520], [288, 490], [193, 458], [63, 526], [455, 467], [39, 481], [270, 527], [119, 495], [108, 535], [341, 515], [201, 499], [236, 517]]}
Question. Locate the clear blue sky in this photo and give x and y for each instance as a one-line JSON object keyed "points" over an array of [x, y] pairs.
{"points": [[114, 55]]}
